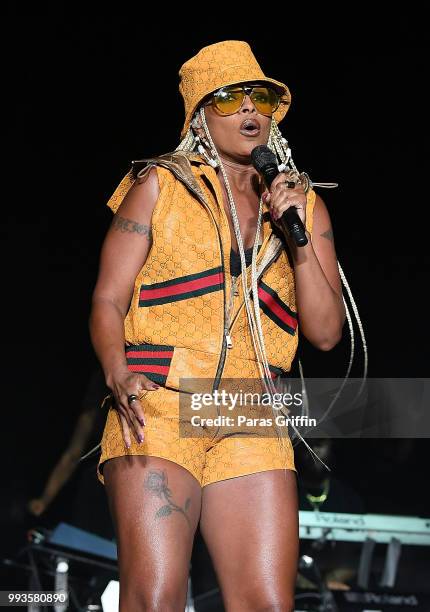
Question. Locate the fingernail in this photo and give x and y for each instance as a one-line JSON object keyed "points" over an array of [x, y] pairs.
{"points": [[127, 445], [141, 421], [155, 386], [140, 438]]}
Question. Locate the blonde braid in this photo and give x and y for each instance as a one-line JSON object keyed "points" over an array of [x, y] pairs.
{"points": [[188, 143]]}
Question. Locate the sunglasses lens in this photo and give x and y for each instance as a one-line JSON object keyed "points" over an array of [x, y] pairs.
{"points": [[265, 99], [228, 101]]}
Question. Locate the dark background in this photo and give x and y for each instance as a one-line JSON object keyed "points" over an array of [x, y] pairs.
{"points": [[90, 93]]}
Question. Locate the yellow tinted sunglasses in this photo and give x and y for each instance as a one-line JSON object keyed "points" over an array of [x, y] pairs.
{"points": [[228, 100]]}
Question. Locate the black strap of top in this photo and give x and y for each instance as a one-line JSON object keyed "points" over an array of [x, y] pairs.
{"points": [[235, 268]]}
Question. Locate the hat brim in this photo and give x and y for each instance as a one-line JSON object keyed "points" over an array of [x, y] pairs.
{"points": [[278, 115]]}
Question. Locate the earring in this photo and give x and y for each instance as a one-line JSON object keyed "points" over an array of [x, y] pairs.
{"points": [[279, 146], [211, 160], [208, 153]]}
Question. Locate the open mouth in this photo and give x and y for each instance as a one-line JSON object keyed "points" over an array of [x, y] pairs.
{"points": [[250, 127]]}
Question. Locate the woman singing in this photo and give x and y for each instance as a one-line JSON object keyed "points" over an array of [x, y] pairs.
{"points": [[194, 245]]}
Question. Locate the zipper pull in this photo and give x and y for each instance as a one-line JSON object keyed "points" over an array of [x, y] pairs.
{"points": [[229, 341]]}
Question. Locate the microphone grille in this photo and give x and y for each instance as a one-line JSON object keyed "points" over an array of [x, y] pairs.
{"points": [[261, 156]]}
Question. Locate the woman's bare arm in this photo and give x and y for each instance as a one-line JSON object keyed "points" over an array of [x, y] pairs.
{"points": [[318, 285], [123, 254]]}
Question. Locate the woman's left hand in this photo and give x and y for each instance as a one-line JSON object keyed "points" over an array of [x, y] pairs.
{"points": [[281, 197]]}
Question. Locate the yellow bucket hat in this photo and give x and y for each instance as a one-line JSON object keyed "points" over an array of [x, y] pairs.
{"points": [[218, 65]]}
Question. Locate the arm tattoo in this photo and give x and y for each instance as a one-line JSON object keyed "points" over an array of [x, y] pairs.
{"points": [[328, 234], [156, 482], [128, 225]]}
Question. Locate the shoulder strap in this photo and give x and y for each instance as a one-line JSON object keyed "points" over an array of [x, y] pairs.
{"points": [[178, 162]]}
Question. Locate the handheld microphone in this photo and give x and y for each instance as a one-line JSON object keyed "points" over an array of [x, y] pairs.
{"points": [[265, 162]]}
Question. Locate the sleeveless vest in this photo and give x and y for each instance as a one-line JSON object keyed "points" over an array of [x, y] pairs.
{"points": [[186, 319]]}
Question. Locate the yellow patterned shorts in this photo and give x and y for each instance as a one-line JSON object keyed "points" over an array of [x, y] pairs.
{"points": [[213, 453]]}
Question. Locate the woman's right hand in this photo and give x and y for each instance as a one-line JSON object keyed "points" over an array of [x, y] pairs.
{"points": [[123, 384]]}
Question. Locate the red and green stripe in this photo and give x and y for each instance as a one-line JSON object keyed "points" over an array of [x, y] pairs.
{"points": [[182, 288], [277, 310], [153, 360]]}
